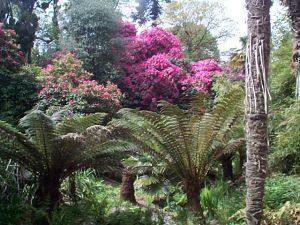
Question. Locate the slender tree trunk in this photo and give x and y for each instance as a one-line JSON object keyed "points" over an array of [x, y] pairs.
{"points": [[257, 68], [127, 186], [192, 190], [226, 162], [72, 189], [294, 13], [56, 30]]}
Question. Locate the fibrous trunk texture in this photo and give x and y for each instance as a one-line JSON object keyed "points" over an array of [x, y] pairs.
{"points": [[192, 190], [226, 162], [294, 13], [47, 195], [257, 68], [127, 186]]}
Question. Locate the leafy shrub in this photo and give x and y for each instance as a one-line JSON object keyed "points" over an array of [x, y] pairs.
{"points": [[280, 189], [288, 214], [18, 94], [93, 24], [65, 84], [285, 154], [201, 73], [153, 70], [18, 87]]}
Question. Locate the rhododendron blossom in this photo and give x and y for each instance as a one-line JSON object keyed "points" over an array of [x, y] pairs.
{"points": [[157, 79], [11, 58], [201, 74], [66, 84], [150, 75]]}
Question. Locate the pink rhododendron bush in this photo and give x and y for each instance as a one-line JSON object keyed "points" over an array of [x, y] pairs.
{"points": [[151, 73], [11, 57], [200, 77], [65, 84]]}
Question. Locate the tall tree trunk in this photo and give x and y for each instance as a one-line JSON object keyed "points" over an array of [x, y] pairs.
{"points": [[127, 186], [294, 13], [257, 68], [56, 30], [27, 26], [192, 190]]}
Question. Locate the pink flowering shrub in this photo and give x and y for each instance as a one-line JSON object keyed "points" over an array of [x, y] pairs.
{"points": [[157, 79], [127, 29], [150, 75], [66, 84], [200, 77], [234, 74], [150, 72], [159, 41], [11, 58]]}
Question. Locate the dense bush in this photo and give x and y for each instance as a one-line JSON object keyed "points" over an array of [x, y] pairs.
{"points": [[151, 73], [93, 25], [280, 189], [18, 89], [65, 84], [18, 94], [201, 74]]}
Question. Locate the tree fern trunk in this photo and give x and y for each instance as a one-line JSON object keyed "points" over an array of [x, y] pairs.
{"points": [[192, 190], [257, 67], [127, 186], [226, 162], [47, 195], [294, 13]]}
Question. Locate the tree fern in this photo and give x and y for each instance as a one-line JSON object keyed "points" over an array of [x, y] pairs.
{"points": [[185, 139], [53, 150]]}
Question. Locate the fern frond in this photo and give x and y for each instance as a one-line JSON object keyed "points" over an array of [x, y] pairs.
{"points": [[229, 148], [80, 124], [212, 123], [40, 130], [17, 146]]}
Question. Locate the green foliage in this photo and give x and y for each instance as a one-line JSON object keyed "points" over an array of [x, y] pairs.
{"points": [[282, 79], [18, 94], [280, 189], [93, 25], [198, 43], [98, 203], [285, 154], [284, 122], [199, 25], [221, 201]]}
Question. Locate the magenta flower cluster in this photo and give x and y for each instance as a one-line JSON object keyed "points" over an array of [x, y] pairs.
{"points": [[201, 74], [150, 72], [11, 57]]}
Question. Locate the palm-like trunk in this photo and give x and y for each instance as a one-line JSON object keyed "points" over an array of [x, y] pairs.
{"points": [[226, 162], [192, 191], [294, 13], [257, 67], [47, 195], [127, 186]]}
